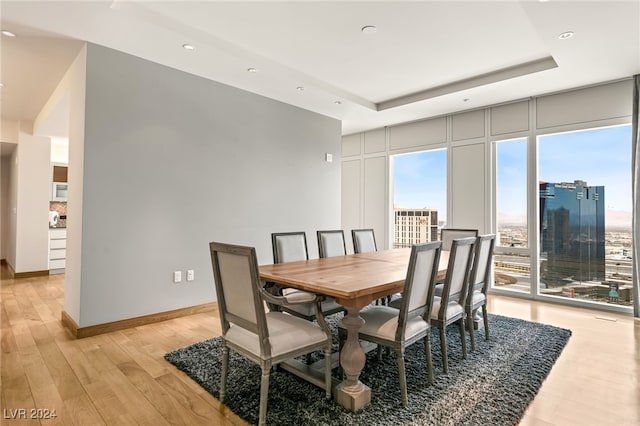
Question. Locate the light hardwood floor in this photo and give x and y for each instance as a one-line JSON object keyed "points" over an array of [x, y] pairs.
{"points": [[122, 377]]}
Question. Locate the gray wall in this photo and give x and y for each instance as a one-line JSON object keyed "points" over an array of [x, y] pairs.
{"points": [[173, 161]]}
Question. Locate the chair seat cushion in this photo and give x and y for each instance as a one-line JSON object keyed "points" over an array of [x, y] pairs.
{"points": [[298, 296], [454, 310], [286, 333], [478, 298], [309, 309], [382, 322]]}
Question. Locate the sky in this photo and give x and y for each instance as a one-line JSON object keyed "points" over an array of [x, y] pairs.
{"points": [[420, 180], [601, 157]]}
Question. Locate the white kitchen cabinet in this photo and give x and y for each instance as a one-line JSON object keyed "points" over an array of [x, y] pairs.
{"points": [[57, 250], [57, 243]]}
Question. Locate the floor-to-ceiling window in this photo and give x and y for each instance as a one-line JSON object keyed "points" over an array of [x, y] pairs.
{"points": [[419, 196], [584, 183], [512, 252], [569, 238]]}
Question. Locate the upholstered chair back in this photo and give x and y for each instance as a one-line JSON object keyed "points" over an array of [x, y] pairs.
{"points": [[289, 247], [331, 243], [364, 240], [481, 272], [457, 279], [238, 287], [421, 276], [447, 235]]}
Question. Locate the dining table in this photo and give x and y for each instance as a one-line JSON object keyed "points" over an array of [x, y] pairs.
{"points": [[354, 281]]}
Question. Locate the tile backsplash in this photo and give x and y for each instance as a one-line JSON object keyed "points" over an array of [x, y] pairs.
{"points": [[61, 208]]}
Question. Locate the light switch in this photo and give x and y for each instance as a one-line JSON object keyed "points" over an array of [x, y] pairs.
{"points": [[328, 157], [177, 276], [190, 275]]}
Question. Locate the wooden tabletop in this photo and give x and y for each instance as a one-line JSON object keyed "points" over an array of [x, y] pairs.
{"points": [[353, 280]]}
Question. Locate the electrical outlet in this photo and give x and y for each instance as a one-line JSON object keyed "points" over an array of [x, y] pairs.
{"points": [[190, 275], [177, 276]]}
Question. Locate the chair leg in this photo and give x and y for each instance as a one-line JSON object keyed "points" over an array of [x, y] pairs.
{"points": [[472, 332], [327, 371], [264, 392], [223, 374], [486, 322], [463, 338], [443, 348], [403, 377], [427, 352], [379, 353]]}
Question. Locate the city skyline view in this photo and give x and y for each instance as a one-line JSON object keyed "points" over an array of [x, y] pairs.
{"points": [[600, 157], [420, 180], [583, 255]]}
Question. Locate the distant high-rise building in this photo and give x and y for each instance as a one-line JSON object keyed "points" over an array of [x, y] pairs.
{"points": [[415, 226], [572, 232]]}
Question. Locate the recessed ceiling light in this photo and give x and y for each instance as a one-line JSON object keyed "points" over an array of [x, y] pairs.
{"points": [[337, 102], [565, 35], [369, 29], [252, 70], [8, 33], [188, 46], [300, 88]]}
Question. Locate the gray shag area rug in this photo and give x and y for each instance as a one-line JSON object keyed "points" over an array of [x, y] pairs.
{"points": [[493, 386]]}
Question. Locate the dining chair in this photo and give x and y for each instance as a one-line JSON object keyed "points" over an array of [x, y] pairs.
{"points": [[364, 240], [266, 338], [399, 328], [292, 247], [289, 246], [447, 235], [449, 307], [331, 243], [479, 280]]}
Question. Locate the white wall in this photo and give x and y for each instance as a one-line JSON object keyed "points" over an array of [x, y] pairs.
{"points": [[24, 191], [4, 204], [73, 86], [468, 137], [34, 188], [173, 161], [60, 150], [9, 133], [12, 206]]}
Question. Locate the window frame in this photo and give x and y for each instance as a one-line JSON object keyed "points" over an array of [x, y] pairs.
{"points": [[533, 208]]}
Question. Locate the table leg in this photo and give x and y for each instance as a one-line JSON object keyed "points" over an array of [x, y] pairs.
{"points": [[352, 393]]}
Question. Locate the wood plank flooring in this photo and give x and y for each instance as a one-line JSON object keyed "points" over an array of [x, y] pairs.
{"points": [[121, 378]]}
